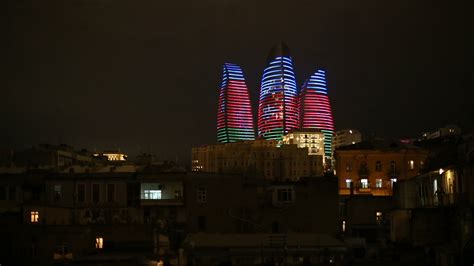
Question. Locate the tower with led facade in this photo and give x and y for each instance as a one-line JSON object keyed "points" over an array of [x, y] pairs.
{"points": [[278, 101], [315, 109], [234, 114]]}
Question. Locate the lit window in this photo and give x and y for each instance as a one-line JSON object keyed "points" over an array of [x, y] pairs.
{"points": [[348, 183], [202, 194], [343, 226], [378, 183], [411, 164], [99, 242], [392, 180], [364, 183], [435, 186], [34, 216], [152, 194], [378, 217], [151, 191]]}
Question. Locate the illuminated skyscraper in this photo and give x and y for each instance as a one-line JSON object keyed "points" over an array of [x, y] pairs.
{"points": [[278, 102], [234, 114], [315, 108]]}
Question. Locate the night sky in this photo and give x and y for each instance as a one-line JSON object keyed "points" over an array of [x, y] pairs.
{"points": [[143, 76]]}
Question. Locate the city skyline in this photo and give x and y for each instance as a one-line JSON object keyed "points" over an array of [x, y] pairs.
{"points": [[101, 80], [189, 133]]}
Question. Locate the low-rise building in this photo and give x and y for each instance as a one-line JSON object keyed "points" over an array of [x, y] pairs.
{"points": [[260, 158], [103, 213], [372, 167], [434, 209]]}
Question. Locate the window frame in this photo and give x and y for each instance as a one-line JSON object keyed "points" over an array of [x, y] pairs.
{"points": [[107, 192], [92, 193], [57, 195], [77, 192], [34, 217], [201, 194]]}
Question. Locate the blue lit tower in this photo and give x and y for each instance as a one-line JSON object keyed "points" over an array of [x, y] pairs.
{"points": [[278, 102], [234, 114], [315, 108]]}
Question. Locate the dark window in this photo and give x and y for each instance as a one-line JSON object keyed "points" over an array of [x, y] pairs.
{"points": [[133, 194], [285, 194], [146, 215], [110, 192], [3, 194], [81, 192], [35, 193], [202, 194], [56, 193], [201, 223], [177, 194], [348, 167], [393, 166], [95, 193], [12, 193], [378, 166], [275, 227]]}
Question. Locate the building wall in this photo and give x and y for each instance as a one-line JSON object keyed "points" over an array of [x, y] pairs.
{"points": [[346, 137], [355, 165], [231, 204], [311, 140], [362, 210], [250, 207], [259, 158], [69, 191]]}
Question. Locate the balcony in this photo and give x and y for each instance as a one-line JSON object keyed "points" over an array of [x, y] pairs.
{"points": [[393, 173], [363, 172]]}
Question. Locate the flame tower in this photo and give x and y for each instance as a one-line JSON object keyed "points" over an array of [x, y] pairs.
{"points": [[234, 114], [315, 108], [278, 102]]}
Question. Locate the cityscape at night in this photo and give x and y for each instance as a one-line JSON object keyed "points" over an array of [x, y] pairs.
{"points": [[272, 133]]}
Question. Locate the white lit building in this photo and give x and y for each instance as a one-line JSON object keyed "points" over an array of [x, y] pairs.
{"points": [[313, 140], [448, 130], [113, 156]]}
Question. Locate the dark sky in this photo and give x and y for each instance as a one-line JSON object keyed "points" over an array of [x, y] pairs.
{"points": [[143, 76]]}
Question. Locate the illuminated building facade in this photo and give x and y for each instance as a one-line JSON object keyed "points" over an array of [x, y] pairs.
{"points": [[278, 102], [315, 109], [234, 115], [259, 158], [114, 156], [371, 168], [313, 140]]}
